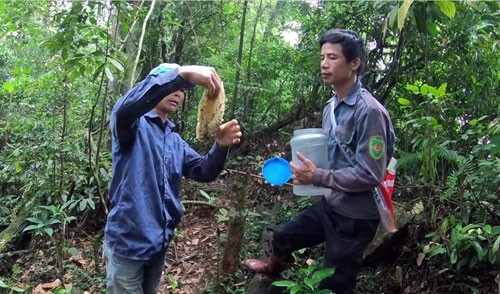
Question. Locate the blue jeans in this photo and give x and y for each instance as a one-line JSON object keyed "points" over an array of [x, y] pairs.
{"points": [[127, 276]]}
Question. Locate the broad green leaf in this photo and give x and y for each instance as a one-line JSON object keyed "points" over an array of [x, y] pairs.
{"points": [[403, 101], [432, 28], [413, 88], [402, 12], [454, 235], [469, 227], [67, 204], [310, 283], [32, 228], [49, 231], [436, 251], [205, 194], [442, 89], [53, 221], [453, 257], [10, 85], [70, 218], [424, 89], [444, 228], [17, 289], [283, 283], [295, 289], [434, 92], [302, 250], [83, 205], [117, 64], [34, 220], [109, 74], [323, 274], [392, 16], [479, 249], [91, 203], [447, 7], [492, 257], [496, 245], [73, 251]]}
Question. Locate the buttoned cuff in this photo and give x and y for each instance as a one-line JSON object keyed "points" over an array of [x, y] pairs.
{"points": [[317, 179], [219, 151]]}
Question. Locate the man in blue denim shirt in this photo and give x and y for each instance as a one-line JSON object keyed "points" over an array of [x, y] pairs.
{"points": [[149, 161], [345, 220]]}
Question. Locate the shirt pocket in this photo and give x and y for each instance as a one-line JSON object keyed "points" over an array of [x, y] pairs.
{"points": [[173, 165], [344, 133]]}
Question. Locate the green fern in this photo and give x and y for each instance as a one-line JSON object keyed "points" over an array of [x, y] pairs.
{"points": [[409, 160], [451, 183], [446, 154], [465, 167]]}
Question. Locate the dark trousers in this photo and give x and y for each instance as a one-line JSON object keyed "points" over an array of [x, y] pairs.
{"points": [[345, 242]]}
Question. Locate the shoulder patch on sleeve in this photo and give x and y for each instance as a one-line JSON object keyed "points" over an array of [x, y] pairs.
{"points": [[376, 146]]}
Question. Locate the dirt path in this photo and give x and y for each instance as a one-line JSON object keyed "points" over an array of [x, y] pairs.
{"points": [[194, 253]]}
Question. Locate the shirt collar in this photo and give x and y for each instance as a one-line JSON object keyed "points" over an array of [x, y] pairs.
{"points": [[350, 99], [152, 114]]}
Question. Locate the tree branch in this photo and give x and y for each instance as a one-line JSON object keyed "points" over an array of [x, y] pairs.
{"points": [[141, 40]]}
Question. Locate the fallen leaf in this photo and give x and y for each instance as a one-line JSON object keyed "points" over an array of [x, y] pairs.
{"points": [[43, 288], [399, 275], [420, 258]]}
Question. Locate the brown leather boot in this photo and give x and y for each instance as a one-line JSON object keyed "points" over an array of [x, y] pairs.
{"points": [[273, 267]]}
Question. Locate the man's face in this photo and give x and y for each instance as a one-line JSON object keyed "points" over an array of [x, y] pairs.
{"points": [[335, 70], [171, 102]]}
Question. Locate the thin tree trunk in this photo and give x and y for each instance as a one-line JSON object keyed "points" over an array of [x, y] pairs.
{"points": [[231, 256], [139, 48], [238, 63], [246, 96]]}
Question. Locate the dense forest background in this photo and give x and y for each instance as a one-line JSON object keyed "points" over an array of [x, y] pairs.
{"points": [[433, 64]]}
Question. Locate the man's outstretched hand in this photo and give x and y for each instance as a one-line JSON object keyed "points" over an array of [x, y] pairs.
{"points": [[204, 76], [228, 134]]}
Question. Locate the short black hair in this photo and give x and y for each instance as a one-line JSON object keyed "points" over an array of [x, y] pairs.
{"points": [[352, 45]]}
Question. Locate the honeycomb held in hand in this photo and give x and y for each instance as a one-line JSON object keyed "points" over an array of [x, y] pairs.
{"points": [[210, 114]]}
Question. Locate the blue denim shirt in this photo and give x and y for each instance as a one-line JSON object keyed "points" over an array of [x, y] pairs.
{"points": [[149, 160]]}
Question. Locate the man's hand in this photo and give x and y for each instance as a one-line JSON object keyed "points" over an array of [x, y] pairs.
{"points": [[204, 76], [302, 175], [228, 134]]}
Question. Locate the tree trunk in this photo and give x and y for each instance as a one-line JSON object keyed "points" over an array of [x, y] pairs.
{"points": [[247, 96], [231, 256], [13, 231], [139, 49], [238, 63]]}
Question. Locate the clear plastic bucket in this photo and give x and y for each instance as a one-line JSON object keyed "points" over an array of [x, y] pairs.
{"points": [[313, 144]]}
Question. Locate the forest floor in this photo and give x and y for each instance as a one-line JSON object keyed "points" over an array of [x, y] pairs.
{"points": [[193, 257]]}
